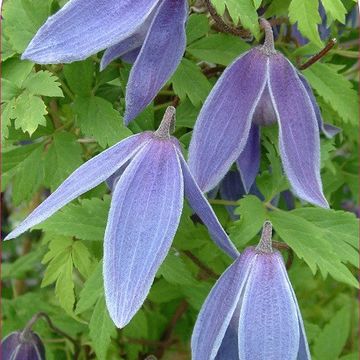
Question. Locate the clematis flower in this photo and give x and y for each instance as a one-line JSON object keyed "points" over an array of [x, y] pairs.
{"points": [[151, 178], [251, 312], [259, 88], [149, 32], [22, 345]]}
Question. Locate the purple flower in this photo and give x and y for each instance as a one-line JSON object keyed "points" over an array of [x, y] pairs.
{"points": [[252, 312], [258, 89], [22, 345], [147, 201], [149, 32]]}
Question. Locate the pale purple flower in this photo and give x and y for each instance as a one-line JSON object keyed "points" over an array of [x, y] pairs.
{"points": [[149, 32], [259, 88], [151, 178], [252, 312], [22, 345]]}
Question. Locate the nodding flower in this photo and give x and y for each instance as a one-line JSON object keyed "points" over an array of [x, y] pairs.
{"points": [[149, 178], [150, 33], [251, 313], [259, 88]]}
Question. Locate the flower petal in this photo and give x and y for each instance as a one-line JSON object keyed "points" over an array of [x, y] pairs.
{"points": [[222, 128], [231, 188], [299, 140], [268, 324], [159, 57], [131, 56], [218, 309], [205, 212], [144, 215], [328, 130], [248, 162], [131, 43], [84, 27], [84, 178]]}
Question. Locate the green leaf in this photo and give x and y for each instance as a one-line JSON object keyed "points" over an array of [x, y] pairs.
{"points": [[252, 216], [332, 339], [16, 71], [188, 80], [335, 9], [80, 76], [278, 8], [314, 242], [243, 10], [43, 83], [64, 289], [175, 271], [82, 258], [102, 329], [92, 290], [23, 19], [218, 48], [97, 118], [306, 14], [63, 156], [86, 220], [197, 26], [335, 89]]}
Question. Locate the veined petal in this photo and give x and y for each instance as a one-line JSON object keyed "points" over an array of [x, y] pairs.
{"points": [[84, 27], [131, 56], [222, 128], [248, 162], [144, 215], [299, 140], [205, 212], [159, 57], [87, 176], [131, 43], [328, 130], [218, 309], [268, 324]]}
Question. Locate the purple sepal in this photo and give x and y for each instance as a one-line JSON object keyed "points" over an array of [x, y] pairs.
{"points": [[159, 57], [22, 346]]}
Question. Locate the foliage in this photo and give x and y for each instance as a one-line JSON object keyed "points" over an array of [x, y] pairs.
{"points": [[55, 117]]}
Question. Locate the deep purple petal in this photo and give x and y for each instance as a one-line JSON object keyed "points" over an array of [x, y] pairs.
{"points": [[144, 215], [328, 130], [84, 27], [159, 57], [205, 212], [223, 125], [218, 309], [268, 324], [130, 44], [131, 56], [231, 188], [248, 162], [299, 140], [84, 178]]}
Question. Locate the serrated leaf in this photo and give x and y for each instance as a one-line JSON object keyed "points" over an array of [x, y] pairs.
{"points": [[62, 157], [312, 241], [335, 9], [64, 289], [79, 76], [306, 14], [16, 70], [102, 329], [43, 83], [243, 10], [92, 290], [97, 118], [335, 89], [86, 220], [82, 258], [197, 26], [332, 339], [218, 48], [252, 216], [188, 80]]}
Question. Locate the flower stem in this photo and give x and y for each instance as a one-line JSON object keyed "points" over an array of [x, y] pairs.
{"points": [[268, 45], [265, 244], [167, 125]]}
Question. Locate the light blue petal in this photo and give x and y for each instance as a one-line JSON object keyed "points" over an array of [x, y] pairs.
{"points": [[144, 215], [159, 57], [87, 176], [84, 27]]}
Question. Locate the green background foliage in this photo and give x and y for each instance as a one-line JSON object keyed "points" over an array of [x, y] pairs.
{"points": [[55, 117]]}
